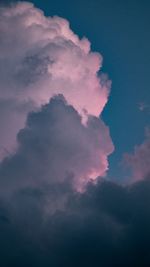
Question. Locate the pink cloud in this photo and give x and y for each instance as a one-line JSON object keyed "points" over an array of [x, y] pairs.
{"points": [[41, 57], [44, 57], [139, 161], [55, 146]]}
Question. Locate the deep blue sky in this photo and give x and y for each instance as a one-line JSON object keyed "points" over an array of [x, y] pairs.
{"points": [[119, 30]]}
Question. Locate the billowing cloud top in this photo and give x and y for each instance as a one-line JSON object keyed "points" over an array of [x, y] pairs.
{"points": [[41, 56], [55, 146]]}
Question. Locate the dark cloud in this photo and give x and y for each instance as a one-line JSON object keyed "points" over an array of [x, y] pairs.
{"points": [[55, 145], [108, 225], [45, 221]]}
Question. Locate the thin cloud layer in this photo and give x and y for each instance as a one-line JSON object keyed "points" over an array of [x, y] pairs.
{"points": [[41, 57]]}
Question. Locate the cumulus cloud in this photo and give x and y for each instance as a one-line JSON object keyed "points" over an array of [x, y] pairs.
{"points": [[52, 212], [55, 145], [139, 161], [40, 57]]}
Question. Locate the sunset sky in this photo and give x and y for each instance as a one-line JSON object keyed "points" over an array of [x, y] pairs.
{"points": [[75, 133]]}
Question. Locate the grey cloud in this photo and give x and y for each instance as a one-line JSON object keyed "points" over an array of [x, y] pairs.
{"points": [[11, 116], [108, 225], [45, 221], [55, 145]]}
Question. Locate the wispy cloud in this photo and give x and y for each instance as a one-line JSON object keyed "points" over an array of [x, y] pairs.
{"points": [[139, 160], [143, 106]]}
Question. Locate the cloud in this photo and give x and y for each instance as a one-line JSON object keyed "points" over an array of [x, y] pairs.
{"points": [[55, 145], [107, 225], [142, 106], [52, 212], [139, 161], [11, 117], [6, 2], [45, 221], [41, 57]]}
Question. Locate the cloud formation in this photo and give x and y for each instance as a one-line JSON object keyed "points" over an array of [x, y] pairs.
{"points": [[45, 219], [55, 145], [139, 161], [41, 57], [105, 226]]}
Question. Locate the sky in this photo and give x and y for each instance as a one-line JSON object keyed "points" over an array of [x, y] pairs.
{"points": [[75, 133]]}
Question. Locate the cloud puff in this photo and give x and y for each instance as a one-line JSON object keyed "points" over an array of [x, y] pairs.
{"points": [[139, 161], [40, 57], [55, 145]]}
